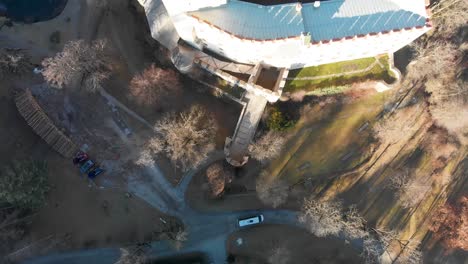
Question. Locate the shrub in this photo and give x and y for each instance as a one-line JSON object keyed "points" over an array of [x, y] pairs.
{"points": [[279, 121], [217, 177], [24, 184]]}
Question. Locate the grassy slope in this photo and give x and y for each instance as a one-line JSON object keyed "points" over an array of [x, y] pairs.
{"points": [[323, 143], [338, 84]]}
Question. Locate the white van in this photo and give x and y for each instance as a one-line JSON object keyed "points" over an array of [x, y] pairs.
{"points": [[250, 221]]}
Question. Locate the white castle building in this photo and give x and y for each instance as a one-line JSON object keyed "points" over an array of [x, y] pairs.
{"points": [[232, 38], [295, 35]]}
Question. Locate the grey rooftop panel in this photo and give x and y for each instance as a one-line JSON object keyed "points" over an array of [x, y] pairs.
{"points": [[254, 21], [333, 19]]}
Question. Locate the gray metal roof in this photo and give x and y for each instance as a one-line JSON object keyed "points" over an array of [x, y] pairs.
{"points": [[254, 21], [333, 19], [338, 19]]}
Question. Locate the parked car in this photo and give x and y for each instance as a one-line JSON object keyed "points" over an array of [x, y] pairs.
{"points": [[86, 166], [80, 158], [250, 221], [95, 172]]}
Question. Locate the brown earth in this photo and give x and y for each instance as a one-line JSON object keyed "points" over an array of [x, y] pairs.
{"points": [[77, 213], [258, 243]]}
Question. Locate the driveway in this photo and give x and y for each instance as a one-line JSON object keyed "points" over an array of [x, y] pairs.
{"points": [[207, 232]]}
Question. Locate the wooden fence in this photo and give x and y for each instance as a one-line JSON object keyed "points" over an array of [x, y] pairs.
{"points": [[43, 125]]}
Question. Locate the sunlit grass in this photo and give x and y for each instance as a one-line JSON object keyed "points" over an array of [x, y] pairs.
{"points": [[324, 143], [338, 84]]}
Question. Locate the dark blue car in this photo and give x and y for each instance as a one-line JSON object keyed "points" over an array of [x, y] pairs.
{"points": [[93, 173], [86, 166]]}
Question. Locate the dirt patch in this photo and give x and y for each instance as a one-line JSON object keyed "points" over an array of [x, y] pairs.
{"points": [[76, 210], [258, 243], [90, 216]]}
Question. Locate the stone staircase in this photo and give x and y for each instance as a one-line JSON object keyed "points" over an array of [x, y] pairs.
{"points": [[237, 147]]}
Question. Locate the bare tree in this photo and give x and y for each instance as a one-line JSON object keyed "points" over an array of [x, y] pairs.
{"points": [[410, 253], [78, 61], [398, 180], [154, 86], [267, 147], [187, 137], [354, 224], [178, 238], [156, 145], [375, 244], [439, 62], [414, 191], [279, 255], [13, 62], [396, 127], [434, 59], [454, 117], [273, 192], [450, 224], [322, 218], [450, 15], [127, 256], [145, 159], [371, 250], [217, 178]]}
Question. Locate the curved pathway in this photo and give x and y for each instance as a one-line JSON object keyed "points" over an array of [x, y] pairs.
{"points": [[207, 232]]}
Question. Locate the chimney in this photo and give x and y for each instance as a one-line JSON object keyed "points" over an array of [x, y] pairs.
{"points": [[317, 4]]}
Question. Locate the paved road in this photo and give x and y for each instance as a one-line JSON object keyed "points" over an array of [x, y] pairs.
{"points": [[207, 232]]}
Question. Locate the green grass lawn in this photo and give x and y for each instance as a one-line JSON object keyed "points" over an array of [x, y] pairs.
{"points": [[332, 85], [325, 144]]}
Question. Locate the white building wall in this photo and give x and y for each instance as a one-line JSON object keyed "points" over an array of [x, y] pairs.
{"points": [[175, 7], [290, 53]]}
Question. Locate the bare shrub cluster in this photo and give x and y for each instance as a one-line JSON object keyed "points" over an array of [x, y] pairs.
{"points": [[441, 147], [267, 146], [371, 250], [129, 257], [439, 63], [186, 138], [279, 255], [329, 218], [433, 60], [409, 189], [178, 238], [79, 60], [414, 191], [154, 86], [396, 127], [450, 15], [217, 178], [376, 243], [322, 218], [450, 224], [273, 192], [354, 224], [398, 179], [411, 253], [13, 62]]}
